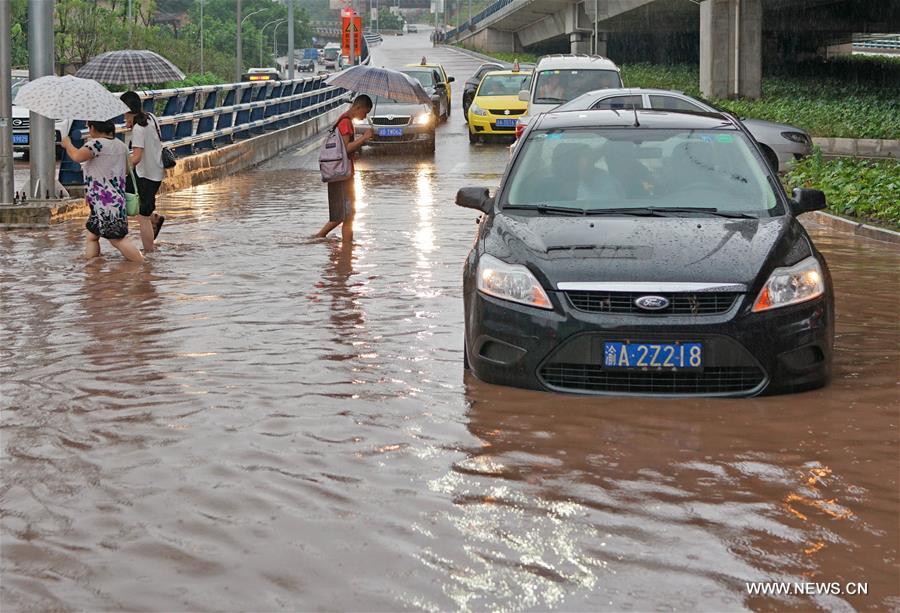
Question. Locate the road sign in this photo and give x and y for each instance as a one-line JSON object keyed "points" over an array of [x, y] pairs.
{"points": [[345, 35]]}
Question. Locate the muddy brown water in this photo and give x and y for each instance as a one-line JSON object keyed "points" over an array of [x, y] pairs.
{"points": [[256, 421]]}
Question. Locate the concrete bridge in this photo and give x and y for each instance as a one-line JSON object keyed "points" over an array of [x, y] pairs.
{"points": [[733, 35]]}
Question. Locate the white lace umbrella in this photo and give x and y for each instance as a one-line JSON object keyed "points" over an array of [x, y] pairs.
{"points": [[69, 98]]}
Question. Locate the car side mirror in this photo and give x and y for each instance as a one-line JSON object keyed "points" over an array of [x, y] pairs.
{"points": [[478, 198], [523, 95], [450, 79], [807, 200]]}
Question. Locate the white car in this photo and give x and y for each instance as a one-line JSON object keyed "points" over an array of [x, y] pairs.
{"points": [[781, 143], [562, 77]]}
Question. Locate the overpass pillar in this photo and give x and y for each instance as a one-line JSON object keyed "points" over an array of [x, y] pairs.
{"points": [[731, 48], [579, 42]]}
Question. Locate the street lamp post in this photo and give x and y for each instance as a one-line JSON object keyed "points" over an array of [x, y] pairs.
{"points": [[261, 30], [238, 61], [275, 39], [201, 38], [290, 17]]}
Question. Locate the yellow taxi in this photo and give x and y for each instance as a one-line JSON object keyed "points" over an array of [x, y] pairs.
{"points": [[496, 106], [445, 79]]}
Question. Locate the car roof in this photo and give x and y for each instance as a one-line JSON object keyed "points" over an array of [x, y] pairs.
{"points": [[677, 120], [506, 73], [599, 94], [561, 61]]}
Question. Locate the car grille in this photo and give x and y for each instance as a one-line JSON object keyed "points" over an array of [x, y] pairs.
{"points": [[503, 112], [393, 121], [593, 378], [21, 122], [700, 303]]}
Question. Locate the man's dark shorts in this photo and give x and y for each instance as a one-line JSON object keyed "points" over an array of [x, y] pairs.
{"points": [[146, 191], [341, 201]]}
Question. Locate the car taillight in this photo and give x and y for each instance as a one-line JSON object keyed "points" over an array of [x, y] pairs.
{"points": [[520, 127]]}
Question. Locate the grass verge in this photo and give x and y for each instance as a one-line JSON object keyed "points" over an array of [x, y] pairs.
{"points": [[866, 190]]}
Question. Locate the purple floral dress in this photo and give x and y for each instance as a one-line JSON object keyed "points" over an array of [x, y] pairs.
{"points": [[104, 178]]}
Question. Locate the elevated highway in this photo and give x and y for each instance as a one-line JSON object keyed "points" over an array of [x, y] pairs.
{"points": [[732, 37]]}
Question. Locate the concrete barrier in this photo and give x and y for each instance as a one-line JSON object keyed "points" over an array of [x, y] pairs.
{"points": [[859, 147], [189, 171]]}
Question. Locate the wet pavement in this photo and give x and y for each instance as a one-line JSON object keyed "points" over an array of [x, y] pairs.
{"points": [[257, 421]]}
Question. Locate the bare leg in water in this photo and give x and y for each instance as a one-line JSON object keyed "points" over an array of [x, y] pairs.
{"points": [[91, 245], [328, 227], [127, 249]]}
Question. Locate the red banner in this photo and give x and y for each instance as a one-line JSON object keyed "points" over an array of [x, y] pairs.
{"points": [[345, 33]]}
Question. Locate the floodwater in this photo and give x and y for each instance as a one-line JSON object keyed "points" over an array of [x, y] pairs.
{"points": [[256, 421]]}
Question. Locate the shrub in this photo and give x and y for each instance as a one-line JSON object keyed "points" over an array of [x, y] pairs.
{"points": [[862, 188]]}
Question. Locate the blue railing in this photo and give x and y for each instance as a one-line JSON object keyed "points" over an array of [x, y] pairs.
{"points": [[196, 119]]}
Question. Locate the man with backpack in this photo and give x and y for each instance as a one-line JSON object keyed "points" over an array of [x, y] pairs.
{"points": [[336, 164]]}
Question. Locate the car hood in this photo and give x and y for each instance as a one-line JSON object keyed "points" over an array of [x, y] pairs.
{"points": [[760, 126], [398, 108], [676, 249], [500, 103]]}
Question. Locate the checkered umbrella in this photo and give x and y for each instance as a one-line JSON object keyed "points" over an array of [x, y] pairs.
{"points": [[382, 82], [130, 67], [69, 97]]}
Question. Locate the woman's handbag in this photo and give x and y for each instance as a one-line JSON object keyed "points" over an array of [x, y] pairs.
{"points": [[132, 201], [168, 158]]}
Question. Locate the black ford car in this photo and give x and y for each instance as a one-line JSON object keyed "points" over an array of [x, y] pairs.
{"points": [[645, 252]]}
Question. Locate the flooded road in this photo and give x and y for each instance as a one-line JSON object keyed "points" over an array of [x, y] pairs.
{"points": [[257, 421]]}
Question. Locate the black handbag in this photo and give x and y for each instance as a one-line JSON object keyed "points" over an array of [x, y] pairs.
{"points": [[168, 158]]}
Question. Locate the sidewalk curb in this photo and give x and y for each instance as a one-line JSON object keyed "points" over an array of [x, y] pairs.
{"points": [[887, 149], [849, 226]]}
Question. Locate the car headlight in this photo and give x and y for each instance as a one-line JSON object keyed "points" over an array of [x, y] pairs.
{"points": [[477, 110], [423, 119], [512, 282], [791, 285], [796, 137]]}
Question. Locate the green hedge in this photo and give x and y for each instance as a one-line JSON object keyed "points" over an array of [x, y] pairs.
{"points": [[861, 188], [863, 103]]}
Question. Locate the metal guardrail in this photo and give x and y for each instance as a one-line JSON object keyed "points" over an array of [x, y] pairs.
{"points": [[197, 119], [468, 25]]}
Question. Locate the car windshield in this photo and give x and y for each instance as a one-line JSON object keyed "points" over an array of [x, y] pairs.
{"points": [[16, 85], [502, 85], [425, 77], [596, 169], [558, 86]]}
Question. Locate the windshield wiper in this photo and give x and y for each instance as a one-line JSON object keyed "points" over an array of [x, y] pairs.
{"points": [[704, 210], [545, 209], [637, 211]]}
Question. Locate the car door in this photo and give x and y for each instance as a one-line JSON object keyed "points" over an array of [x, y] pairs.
{"points": [[445, 98]]}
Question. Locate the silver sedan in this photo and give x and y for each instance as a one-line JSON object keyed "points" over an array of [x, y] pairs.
{"points": [[781, 143]]}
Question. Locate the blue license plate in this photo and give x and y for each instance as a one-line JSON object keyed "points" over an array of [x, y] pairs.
{"points": [[656, 356], [506, 123], [390, 131], [20, 139]]}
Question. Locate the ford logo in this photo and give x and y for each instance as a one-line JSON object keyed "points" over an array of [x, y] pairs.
{"points": [[651, 303]]}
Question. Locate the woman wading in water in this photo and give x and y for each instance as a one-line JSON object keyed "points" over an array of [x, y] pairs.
{"points": [[103, 159]]}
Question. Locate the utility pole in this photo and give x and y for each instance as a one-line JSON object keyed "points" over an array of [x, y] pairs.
{"points": [[6, 150], [202, 71], [40, 64], [353, 33], [290, 9], [237, 57]]}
